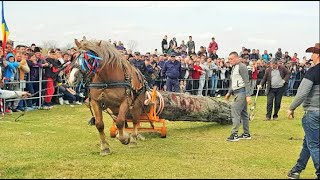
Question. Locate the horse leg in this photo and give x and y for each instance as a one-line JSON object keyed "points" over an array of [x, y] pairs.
{"points": [[134, 135], [100, 126], [136, 113], [124, 139]]}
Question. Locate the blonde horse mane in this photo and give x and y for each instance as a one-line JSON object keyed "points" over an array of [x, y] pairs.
{"points": [[109, 54]]}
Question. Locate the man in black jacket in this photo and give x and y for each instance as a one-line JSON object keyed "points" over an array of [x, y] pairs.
{"points": [[275, 77], [51, 74], [278, 55], [164, 45], [253, 55]]}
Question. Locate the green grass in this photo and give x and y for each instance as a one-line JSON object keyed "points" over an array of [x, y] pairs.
{"points": [[59, 144]]}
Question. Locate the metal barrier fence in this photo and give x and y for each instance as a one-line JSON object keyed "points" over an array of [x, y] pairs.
{"points": [[191, 86], [21, 85]]}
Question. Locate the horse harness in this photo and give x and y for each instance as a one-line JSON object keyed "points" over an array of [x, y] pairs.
{"points": [[90, 61]]}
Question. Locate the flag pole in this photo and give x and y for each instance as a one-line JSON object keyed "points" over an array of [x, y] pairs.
{"points": [[4, 43]]}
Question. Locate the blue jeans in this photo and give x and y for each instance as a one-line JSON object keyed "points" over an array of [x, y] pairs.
{"points": [[214, 83], [311, 144], [172, 85], [290, 86]]}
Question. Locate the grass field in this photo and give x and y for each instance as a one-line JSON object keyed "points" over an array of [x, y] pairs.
{"points": [[59, 144]]}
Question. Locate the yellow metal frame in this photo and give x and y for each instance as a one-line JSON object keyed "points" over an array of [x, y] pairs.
{"points": [[150, 118]]}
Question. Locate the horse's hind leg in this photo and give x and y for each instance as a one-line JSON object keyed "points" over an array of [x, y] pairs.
{"points": [[136, 113], [100, 126], [123, 138], [134, 135]]}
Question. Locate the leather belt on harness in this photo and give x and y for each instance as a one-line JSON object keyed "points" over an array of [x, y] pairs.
{"points": [[109, 85]]}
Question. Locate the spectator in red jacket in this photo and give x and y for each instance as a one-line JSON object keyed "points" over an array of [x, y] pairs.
{"points": [[294, 58], [196, 76], [212, 46]]}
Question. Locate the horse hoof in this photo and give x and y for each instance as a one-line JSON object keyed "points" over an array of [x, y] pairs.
{"points": [[105, 152], [125, 141]]}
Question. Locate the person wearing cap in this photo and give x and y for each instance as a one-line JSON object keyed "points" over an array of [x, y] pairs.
{"points": [[172, 70], [10, 76], [240, 88], [309, 94], [275, 78]]}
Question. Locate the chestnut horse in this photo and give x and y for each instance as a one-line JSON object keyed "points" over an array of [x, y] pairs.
{"points": [[113, 83]]}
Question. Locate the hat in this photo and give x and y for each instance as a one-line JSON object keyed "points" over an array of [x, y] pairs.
{"points": [[315, 49], [36, 49], [9, 55]]}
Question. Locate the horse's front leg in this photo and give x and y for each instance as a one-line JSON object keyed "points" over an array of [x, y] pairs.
{"points": [[123, 137], [105, 147]]}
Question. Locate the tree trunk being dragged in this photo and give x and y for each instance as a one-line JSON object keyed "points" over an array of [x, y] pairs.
{"points": [[185, 107]]}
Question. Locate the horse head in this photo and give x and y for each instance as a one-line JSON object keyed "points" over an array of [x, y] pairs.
{"points": [[85, 62]]}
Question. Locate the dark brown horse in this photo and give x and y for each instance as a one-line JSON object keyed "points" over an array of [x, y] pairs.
{"points": [[113, 83]]}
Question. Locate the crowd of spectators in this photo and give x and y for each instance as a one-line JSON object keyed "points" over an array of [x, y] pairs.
{"points": [[180, 68]]}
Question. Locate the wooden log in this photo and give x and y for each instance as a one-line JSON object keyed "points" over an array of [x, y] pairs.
{"points": [[185, 107]]}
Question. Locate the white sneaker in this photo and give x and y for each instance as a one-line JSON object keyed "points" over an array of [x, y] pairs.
{"points": [[61, 101], [66, 102], [78, 103], [81, 95], [219, 95]]}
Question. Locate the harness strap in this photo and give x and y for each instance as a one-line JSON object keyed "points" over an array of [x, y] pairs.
{"points": [[109, 85]]}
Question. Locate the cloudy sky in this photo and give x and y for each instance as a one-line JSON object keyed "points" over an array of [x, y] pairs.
{"points": [[293, 26]]}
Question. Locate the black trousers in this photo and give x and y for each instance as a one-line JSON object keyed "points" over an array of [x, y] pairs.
{"points": [[275, 95]]}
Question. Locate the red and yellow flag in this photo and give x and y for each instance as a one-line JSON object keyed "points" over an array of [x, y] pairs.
{"points": [[5, 31]]}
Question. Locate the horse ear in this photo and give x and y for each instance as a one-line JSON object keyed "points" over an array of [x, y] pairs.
{"points": [[99, 43], [77, 42]]}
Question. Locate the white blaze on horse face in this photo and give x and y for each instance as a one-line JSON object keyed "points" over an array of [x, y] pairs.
{"points": [[72, 76]]}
